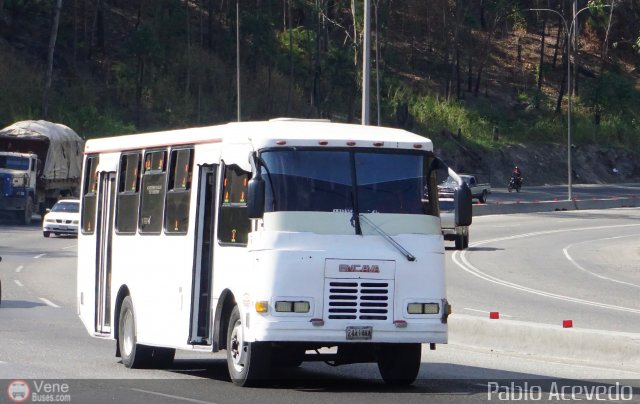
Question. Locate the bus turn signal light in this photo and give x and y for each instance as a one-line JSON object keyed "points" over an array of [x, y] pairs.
{"points": [[262, 306]]}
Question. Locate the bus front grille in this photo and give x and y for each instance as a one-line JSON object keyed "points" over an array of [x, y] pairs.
{"points": [[358, 299]]}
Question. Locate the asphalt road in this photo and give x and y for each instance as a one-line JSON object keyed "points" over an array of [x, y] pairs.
{"points": [[42, 338], [582, 266]]}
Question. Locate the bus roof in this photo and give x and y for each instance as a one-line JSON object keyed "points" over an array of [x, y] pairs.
{"points": [[273, 133]]}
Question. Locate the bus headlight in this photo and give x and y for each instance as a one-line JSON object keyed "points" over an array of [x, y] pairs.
{"points": [[423, 308], [414, 308], [283, 306]]}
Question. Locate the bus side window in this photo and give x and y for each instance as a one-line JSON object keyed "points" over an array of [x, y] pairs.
{"points": [[153, 191], [128, 194], [234, 224], [179, 192], [89, 194]]}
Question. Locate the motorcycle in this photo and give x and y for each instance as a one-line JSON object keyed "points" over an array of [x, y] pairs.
{"points": [[515, 183]]}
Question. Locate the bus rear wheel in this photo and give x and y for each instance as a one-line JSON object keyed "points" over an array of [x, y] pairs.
{"points": [[133, 355], [399, 363], [248, 362]]}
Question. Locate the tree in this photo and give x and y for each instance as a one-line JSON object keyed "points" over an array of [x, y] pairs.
{"points": [[52, 46]]}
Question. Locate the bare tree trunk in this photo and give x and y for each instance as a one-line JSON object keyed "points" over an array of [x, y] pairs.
{"points": [[52, 46], [315, 96], [485, 51], [557, 46], [541, 62], [470, 73], [565, 60], [96, 40], [139, 87], [187, 88], [605, 44], [355, 33], [75, 34], [210, 37], [289, 93], [458, 78]]}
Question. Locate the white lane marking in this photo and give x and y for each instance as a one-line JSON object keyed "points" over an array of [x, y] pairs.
{"points": [[486, 312], [580, 267], [68, 247], [155, 393], [39, 256], [19, 269], [466, 266], [17, 282], [49, 302]]}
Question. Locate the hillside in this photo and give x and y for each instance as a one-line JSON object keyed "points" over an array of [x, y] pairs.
{"points": [[458, 72]]}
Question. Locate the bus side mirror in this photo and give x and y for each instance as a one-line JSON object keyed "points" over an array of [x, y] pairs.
{"points": [[255, 198], [463, 207]]}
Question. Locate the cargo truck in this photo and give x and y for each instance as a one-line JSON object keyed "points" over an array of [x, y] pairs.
{"points": [[40, 162]]}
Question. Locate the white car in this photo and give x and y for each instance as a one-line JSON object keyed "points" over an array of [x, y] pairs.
{"points": [[451, 232], [62, 219]]}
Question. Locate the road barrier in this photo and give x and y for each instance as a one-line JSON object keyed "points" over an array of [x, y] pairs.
{"points": [[501, 208], [618, 349]]}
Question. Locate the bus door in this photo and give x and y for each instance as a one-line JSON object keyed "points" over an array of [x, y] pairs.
{"points": [[104, 232], [200, 332]]}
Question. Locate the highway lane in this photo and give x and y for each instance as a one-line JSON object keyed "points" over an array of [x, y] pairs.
{"points": [[549, 267], [41, 337]]}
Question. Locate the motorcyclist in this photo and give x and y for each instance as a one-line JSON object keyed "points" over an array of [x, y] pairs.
{"points": [[516, 174]]}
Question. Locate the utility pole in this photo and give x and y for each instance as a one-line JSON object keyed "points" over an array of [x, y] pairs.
{"points": [[366, 59], [238, 56]]}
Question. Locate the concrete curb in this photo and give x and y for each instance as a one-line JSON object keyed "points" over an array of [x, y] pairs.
{"points": [[550, 206], [608, 347]]}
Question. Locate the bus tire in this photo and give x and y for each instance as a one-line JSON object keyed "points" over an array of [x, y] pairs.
{"points": [[459, 242], [248, 362], [133, 355], [399, 363]]}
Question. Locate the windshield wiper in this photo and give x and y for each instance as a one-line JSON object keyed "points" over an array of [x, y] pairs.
{"points": [[386, 236]]}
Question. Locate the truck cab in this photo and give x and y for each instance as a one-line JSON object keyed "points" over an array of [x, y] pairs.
{"points": [[18, 174]]}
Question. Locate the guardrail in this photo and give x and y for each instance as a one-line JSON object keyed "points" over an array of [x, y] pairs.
{"points": [[550, 206]]}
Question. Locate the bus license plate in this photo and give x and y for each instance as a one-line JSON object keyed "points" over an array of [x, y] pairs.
{"points": [[359, 333]]}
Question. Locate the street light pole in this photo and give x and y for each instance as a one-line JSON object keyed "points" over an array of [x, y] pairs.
{"points": [[568, 29]]}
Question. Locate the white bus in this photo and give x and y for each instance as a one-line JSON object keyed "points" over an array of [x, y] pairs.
{"points": [[271, 240]]}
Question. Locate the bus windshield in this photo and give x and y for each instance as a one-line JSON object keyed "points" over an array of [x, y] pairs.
{"points": [[324, 180]]}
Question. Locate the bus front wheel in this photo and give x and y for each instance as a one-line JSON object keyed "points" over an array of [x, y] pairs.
{"points": [[399, 363], [248, 362], [133, 355]]}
